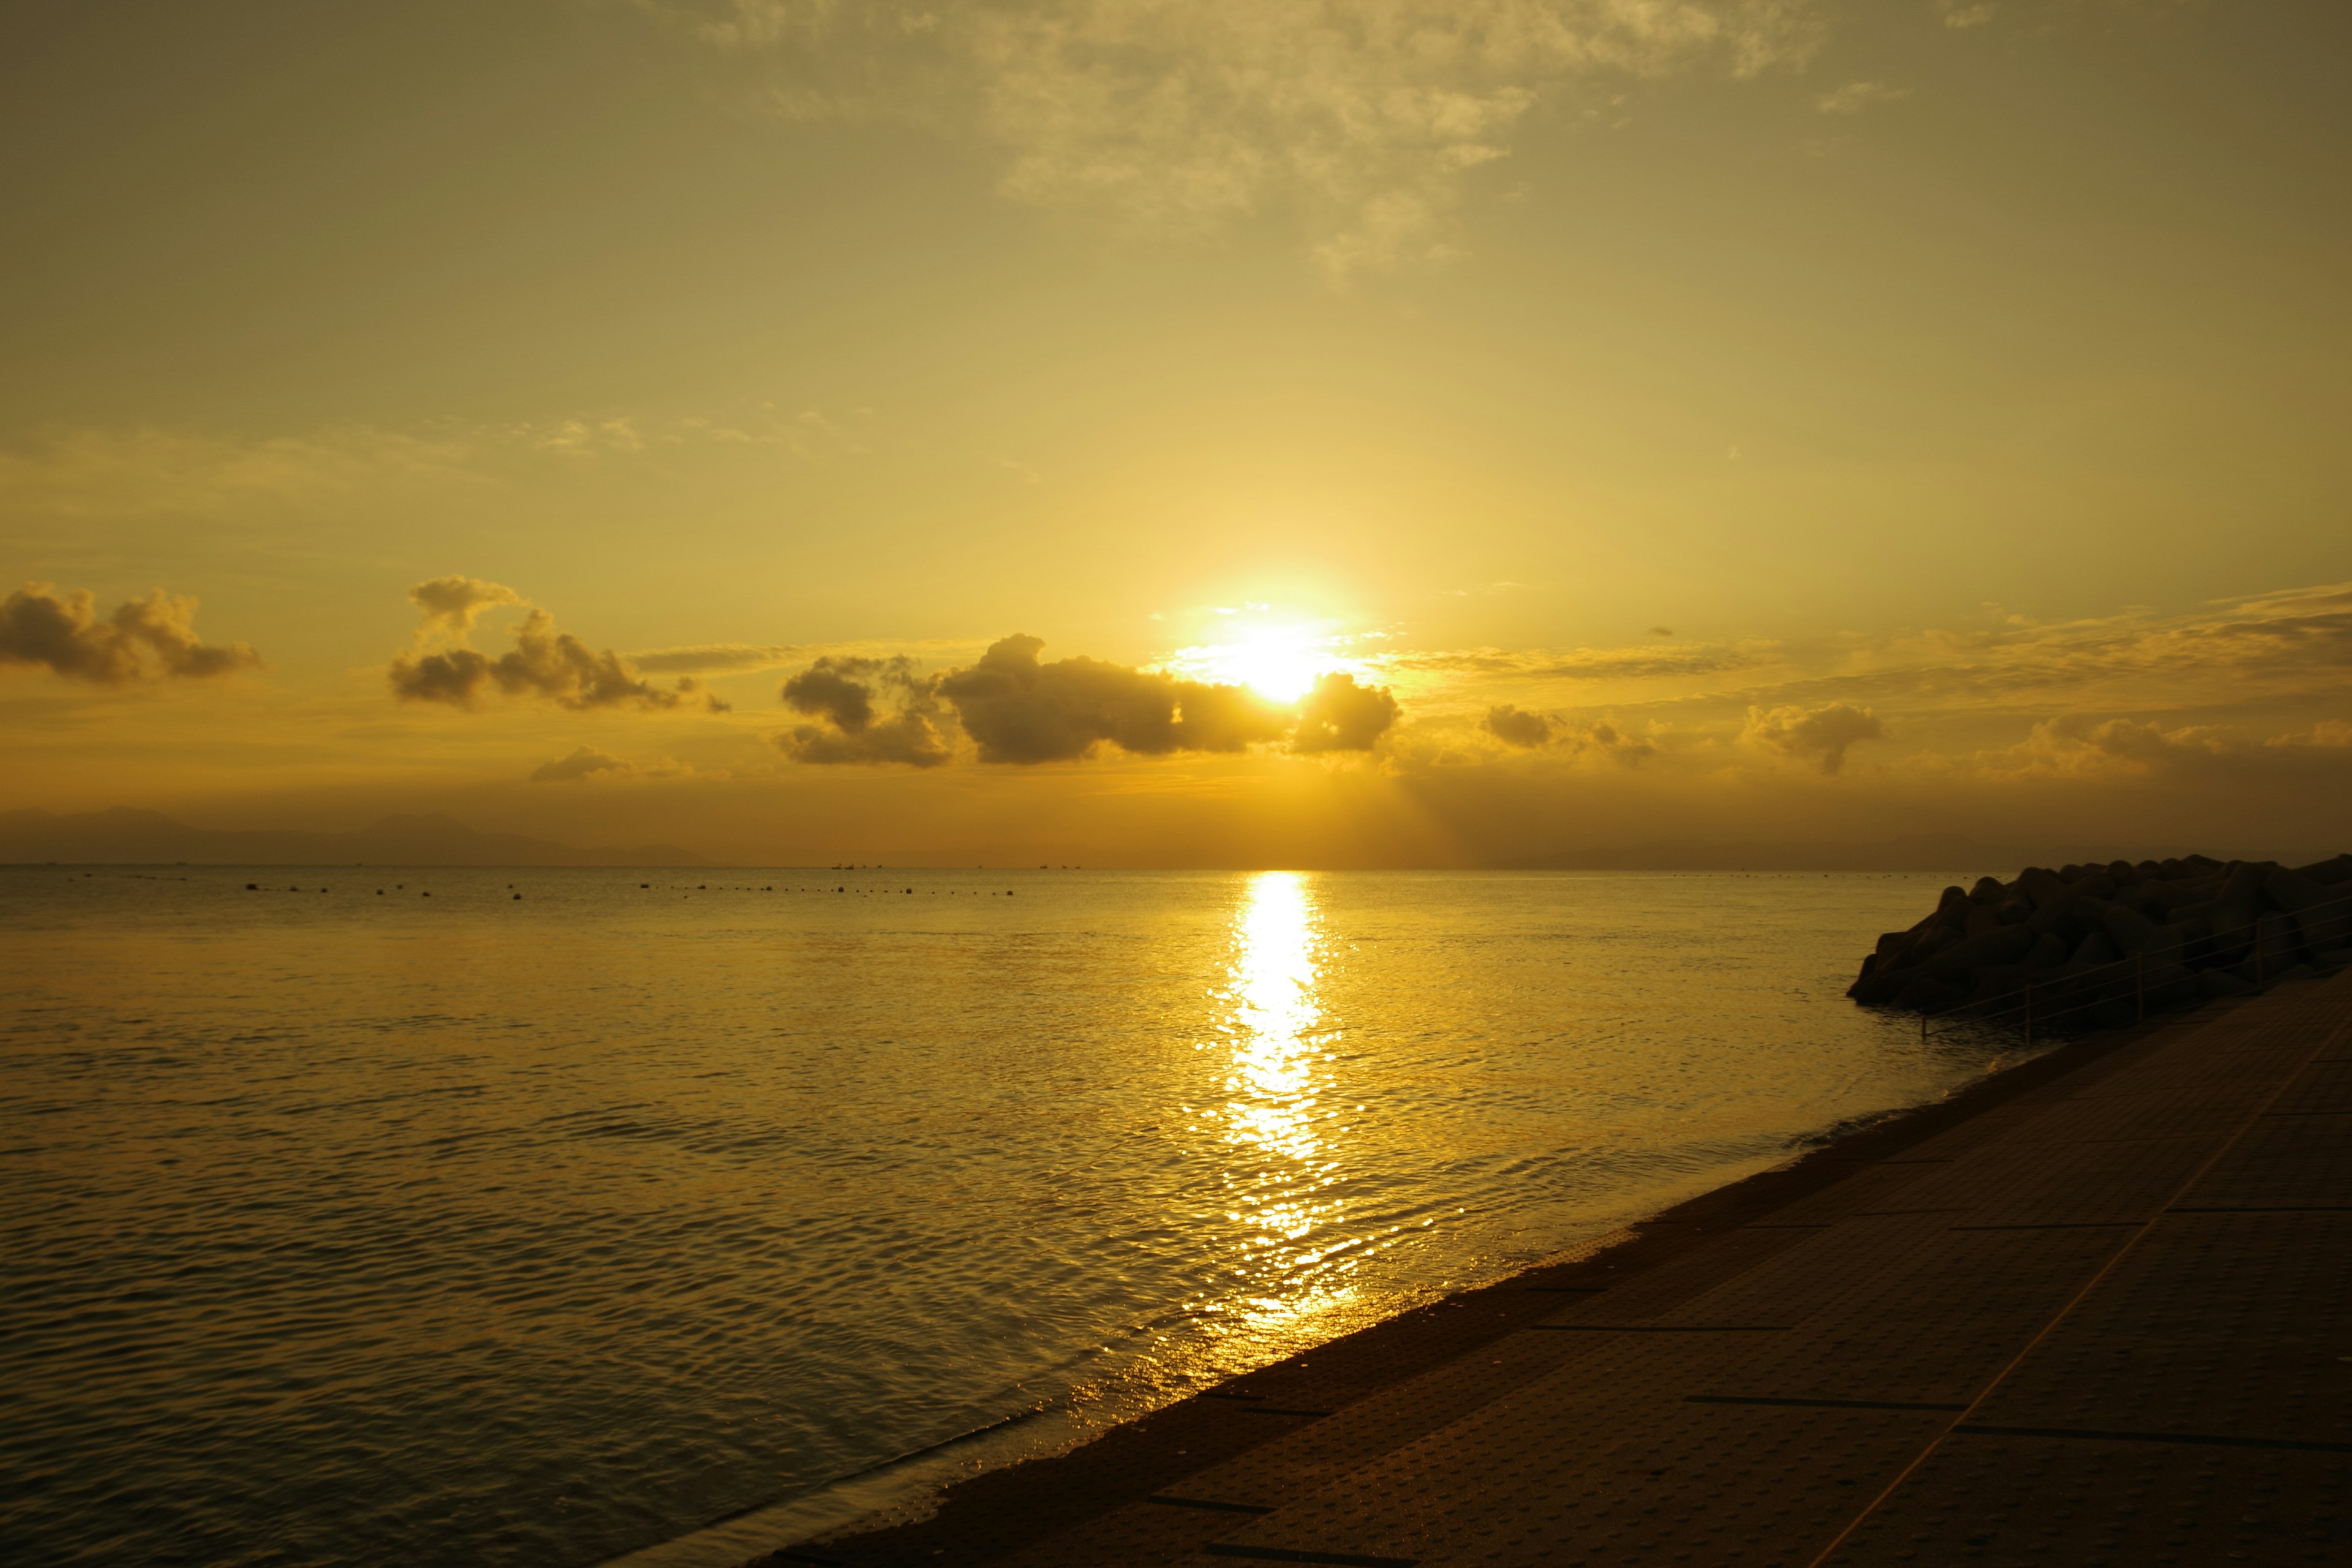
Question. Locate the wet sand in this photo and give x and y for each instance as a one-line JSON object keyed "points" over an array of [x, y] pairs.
{"points": [[1946, 1251]]}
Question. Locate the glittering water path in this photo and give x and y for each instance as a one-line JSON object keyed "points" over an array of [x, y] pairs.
{"points": [[380, 1228]]}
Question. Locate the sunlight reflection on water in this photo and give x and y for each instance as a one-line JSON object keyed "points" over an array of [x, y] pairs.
{"points": [[1284, 1160]]}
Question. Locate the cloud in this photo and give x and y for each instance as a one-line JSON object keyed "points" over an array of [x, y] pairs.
{"points": [[1856, 96], [1599, 735], [68, 478], [910, 738], [1359, 121], [841, 692], [1516, 727], [831, 688], [1660, 631], [2281, 647], [716, 658], [545, 663], [1019, 710], [1340, 716], [1642, 662], [452, 603], [1824, 732], [585, 761], [588, 762], [2082, 744], [144, 639]]}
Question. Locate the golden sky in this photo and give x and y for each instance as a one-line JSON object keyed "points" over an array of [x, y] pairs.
{"points": [[1404, 432]]}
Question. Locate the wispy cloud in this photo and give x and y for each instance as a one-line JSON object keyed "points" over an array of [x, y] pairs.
{"points": [[584, 764], [716, 659], [1641, 662], [1856, 96], [77, 476], [1359, 121], [2289, 643]]}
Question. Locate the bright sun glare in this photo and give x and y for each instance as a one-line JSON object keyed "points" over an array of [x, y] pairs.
{"points": [[1278, 663], [1282, 671]]}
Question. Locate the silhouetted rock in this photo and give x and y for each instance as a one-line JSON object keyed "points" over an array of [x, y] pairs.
{"points": [[2104, 943], [2327, 873]]}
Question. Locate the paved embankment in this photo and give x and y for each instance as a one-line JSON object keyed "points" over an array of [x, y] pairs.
{"points": [[2108, 1320]]}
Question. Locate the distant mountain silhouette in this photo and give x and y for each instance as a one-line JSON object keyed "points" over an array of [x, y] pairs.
{"points": [[125, 837], [1919, 852]]}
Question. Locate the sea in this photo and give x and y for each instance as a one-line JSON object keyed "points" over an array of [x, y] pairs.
{"points": [[381, 1217]]}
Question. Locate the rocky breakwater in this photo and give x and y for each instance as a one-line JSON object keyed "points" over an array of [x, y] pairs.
{"points": [[2097, 945]]}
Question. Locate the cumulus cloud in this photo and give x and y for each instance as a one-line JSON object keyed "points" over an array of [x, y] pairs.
{"points": [[1529, 732], [1516, 727], [452, 603], [847, 697], [1018, 708], [144, 639], [547, 663], [1360, 121], [1340, 716], [832, 689], [1823, 734], [1599, 735]]}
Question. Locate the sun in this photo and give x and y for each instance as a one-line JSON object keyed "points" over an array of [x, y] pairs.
{"points": [[1279, 671], [1279, 663]]}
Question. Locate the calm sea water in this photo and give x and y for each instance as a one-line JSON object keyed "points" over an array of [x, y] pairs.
{"points": [[348, 1227]]}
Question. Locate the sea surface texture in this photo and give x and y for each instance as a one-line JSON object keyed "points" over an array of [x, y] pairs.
{"points": [[542, 1217]]}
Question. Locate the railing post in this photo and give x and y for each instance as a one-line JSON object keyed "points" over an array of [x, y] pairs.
{"points": [[2029, 1017], [2139, 982]]}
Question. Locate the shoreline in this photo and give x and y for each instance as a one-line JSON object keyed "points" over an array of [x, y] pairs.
{"points": [[1000, 1511]]}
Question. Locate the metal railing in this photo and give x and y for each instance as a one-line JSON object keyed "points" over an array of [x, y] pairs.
{"points": [[2128, 979]]}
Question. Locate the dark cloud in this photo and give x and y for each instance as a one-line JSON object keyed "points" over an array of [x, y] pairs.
{"points": [[1516, 727], [1821, 732], [1662, 631], [1529, 732], [545, 663], [583, 762], [144, 639], [910, 736], [852, 726], [837, 689], [451, 604], [1601, 736], [1018, 708], [1340, 716]]}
